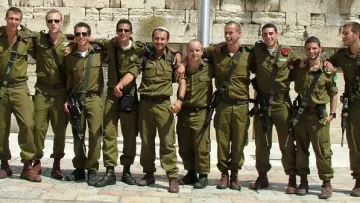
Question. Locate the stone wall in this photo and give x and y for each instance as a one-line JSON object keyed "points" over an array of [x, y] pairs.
{"points": [[296, 19]]}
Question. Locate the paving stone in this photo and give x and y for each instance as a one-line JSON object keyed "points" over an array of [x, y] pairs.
{"points": [[98, 198], [140, 199]]}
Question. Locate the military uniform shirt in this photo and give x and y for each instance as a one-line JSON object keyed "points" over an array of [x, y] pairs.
{"points": [[76, 65], [240, 78], [25, 46]]}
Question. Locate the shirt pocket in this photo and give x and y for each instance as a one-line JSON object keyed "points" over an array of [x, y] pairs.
{"points": [[149, 70]]}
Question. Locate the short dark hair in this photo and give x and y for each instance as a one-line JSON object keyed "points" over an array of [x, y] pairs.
{"points": [[313, 39], [124, 21], [237, 25], [162, 29], [83, 24], [14, 10], [194, 40], [269, 25], [355, 27]]}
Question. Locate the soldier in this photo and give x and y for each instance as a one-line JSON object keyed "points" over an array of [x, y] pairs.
{"points": [[85, 80], [15, 95], [348, 59], [50, 92], [231, 120], [270, 62], [156, 111], [315, 87], [193, 138]]}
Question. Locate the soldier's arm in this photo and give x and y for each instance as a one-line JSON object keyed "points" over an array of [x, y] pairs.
{"points": [[101, 42], [176, 106], [251, 62]]}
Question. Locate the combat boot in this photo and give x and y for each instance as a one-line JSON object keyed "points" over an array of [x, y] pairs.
{"points": [[224, 181], [202, 181], [127, 177], [291, 187], [28, 173], [108, 179], [326, 191], [148, 179], [173, 185], [5, 170], [234, 181], [189, 179], [37, 166], [356, 191], [91, 177], [56, 170], [261, 182], [76, 175], [303, 188]]}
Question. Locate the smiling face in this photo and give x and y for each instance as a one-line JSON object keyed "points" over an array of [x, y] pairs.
{"points": [[232, 34], [160, 39], [270, 37], [124, 32], [54, 22], [348, 36], [82, 36], [312, 50], [13, 20], [194, 51]]}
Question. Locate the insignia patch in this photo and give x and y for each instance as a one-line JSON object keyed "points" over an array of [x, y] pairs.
{"points": [[282, 59], [284, 51], [335, 78]]}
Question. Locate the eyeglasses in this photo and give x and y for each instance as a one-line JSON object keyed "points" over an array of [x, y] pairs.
{"points": [[123, 30], [53, 20], [84, 34]]}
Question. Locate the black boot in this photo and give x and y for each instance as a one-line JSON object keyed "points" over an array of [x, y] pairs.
{"points": [[303, 188], [189, 179], [92, 178], [127, 177], [76, 175], [202, 182], [108, 179]]}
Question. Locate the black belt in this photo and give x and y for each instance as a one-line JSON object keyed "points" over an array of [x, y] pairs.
{"points": [[90, 93], [15, 84], [279, 97], [154, 98], [235, 101], [57, 86], [194, 109]]}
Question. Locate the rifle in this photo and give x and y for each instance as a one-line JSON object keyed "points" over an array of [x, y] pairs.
{"points": [[75, 116], [260, 107], [295, 107], [344, 115], [214, 102]]}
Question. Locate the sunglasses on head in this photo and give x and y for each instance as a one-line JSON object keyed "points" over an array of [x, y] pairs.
{"points": [[123, 30], [53, 20], [84, 34]]}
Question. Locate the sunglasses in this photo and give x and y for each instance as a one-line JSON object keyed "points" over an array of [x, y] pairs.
{"points": [[53, 20], [123, 30], [84, 34]]}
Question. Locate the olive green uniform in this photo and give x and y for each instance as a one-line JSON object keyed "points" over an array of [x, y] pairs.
{"points": [[194, 140], [348, 64], [129, 62], [50, 94], [17, 98], [155, 114], [261, 64], [310, 127], [92, 110], [231, 120]]}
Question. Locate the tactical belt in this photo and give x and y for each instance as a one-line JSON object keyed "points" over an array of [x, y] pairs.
{"points": [[235, 101], [278, 97], [90, 94], [194, 109], [45, 84], [14, 84], [155, 98]]}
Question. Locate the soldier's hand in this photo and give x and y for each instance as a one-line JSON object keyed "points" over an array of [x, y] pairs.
{"points": [[180, 72], [302, 63], [218, 46], [328, 120], [117, 90], [328, 66], [67, 106], [176, 106]]}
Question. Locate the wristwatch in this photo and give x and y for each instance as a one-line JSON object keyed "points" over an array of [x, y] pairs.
{"points": [[333, 114], [181, 99]]}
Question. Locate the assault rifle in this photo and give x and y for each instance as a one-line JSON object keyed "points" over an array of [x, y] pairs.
{"points": [[295, 107], [216, 97], [344, 115]]}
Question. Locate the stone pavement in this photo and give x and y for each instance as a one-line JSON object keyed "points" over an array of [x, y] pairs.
{"points": [[15, 190]]}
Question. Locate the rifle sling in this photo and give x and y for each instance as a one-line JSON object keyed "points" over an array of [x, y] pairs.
{"points": [[9, 66], [86, 78], [117, 64], [232, 66], [273, 75], [57, 62]]}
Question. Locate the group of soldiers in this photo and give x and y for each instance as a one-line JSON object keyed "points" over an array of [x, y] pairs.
{"points": [[70, 69]]}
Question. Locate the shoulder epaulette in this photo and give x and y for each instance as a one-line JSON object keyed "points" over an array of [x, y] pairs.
{"points": [[259, 42], [97, 48], [248, 48], [42, 32], [70, 36], [140, 44]]}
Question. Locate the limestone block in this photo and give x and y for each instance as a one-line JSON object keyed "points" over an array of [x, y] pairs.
{"points": [[40, 12], [217, 34], [311, 6], [290, 19], [48, 3], [330, 36], [27, 12], [215, 4], [303, 19], [65, 11], [154, 4], [92, 14], [317, 20], [69, 28], [77, 13], [58, 2], [132, 4], [115, 3], [72, 3], [106, 29], [193, 16], [233, 5], [224, 17], [250, 33], [171, 16], [4, 3], [270, 5], [136, 15], [268, 17], [35, 24], [349, 6], [114, 13], [336, 19], [292, 35], [97, 3], [3, 10], [180, 5], [18, 3]]}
